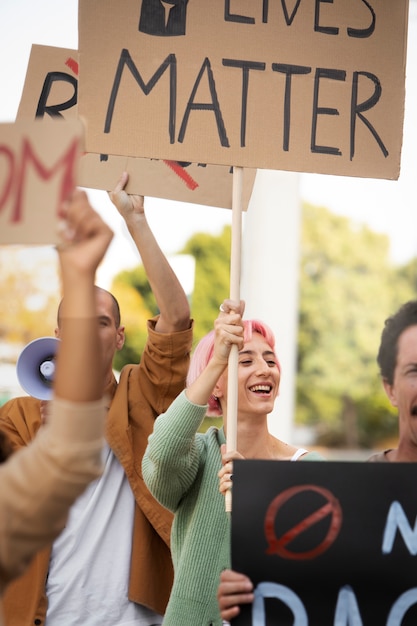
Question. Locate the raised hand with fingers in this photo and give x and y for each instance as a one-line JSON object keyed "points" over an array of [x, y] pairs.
{"points": [[130, 206], [228, 331], [228, 328], [85, 237]]}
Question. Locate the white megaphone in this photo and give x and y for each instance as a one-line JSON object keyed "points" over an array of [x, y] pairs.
{"points": [[35, 367]]}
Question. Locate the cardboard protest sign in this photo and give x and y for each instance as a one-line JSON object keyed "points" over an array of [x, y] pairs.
{"points": [[326, 544], [38, 168], [299, 86], [51, 90]]}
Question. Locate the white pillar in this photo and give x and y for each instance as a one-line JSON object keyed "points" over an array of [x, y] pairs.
{"points": [[270, 277]]}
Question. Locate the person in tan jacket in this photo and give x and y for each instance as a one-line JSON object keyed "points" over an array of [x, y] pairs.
{"points": [[39, 483], [112, 565]]}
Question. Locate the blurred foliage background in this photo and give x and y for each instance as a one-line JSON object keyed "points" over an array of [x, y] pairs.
{"points": [[348, 286]]}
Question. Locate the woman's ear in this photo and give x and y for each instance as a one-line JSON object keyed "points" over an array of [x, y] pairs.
{"points": [[218, 391]]}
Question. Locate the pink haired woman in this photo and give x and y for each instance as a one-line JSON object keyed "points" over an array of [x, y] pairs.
{"points": [[181, 466]]}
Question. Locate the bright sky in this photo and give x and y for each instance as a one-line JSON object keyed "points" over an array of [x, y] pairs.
{"points": [[387, 206]]}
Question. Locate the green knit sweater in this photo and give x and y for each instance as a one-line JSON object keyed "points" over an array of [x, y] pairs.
{"points": [[180, 468]]}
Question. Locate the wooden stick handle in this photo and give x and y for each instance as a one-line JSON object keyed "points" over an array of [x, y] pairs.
{"points": [[235, 269]]}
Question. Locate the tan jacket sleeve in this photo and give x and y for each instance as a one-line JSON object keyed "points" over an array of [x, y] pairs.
{"points": [[39, 483]]}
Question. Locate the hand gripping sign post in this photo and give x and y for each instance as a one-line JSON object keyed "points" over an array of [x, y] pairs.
{"points": [[295, 86]]}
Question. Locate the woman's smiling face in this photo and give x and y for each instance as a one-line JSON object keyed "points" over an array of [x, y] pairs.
{"points": [[258, 378]]}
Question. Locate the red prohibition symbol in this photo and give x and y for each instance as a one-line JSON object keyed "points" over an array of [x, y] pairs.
{"points": [[278, 545]]}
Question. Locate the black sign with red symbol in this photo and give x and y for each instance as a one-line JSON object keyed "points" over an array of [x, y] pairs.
{"points": [[326, 543]]}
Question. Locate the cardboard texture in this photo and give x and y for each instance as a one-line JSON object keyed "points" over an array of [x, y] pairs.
{"points": [[50, 90], [38, 169], [289, 85], [326, 543]]}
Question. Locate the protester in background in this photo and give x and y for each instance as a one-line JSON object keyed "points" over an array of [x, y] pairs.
{"points": [[38, 484], [112, 564], [397, 360], [180, 466]]}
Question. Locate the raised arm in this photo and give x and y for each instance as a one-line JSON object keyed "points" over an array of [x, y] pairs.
{"points": [[171, 460], [79, 376], [40, 482], [170, 296]]}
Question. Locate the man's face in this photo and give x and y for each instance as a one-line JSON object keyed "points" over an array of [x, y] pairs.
{"points": [[403, 392], [111, 337]]}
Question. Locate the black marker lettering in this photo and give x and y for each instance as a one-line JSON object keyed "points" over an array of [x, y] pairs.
{"points": [[232, 17], [357, 110], [265, 9], [289, 18], [327, 30], [213, 106], [55, 110], [332, 75], [126, 60], [246, 66], [365, 32], [288, 70]]}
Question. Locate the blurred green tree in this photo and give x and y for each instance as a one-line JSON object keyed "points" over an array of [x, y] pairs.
{"points": [[347, 289], [212, 277]]}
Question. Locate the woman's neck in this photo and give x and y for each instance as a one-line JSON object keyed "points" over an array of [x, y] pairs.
{"points": [[254, 441]]}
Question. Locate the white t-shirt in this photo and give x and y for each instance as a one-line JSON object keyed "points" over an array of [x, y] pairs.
{"points": [[298, 453], [90, 562]]}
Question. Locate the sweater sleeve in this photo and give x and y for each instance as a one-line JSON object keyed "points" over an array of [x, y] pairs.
{"points": [[173, 455], [39, 483]]}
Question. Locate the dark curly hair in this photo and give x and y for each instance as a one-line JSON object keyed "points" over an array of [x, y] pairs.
{"points": [[394, 326]]}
